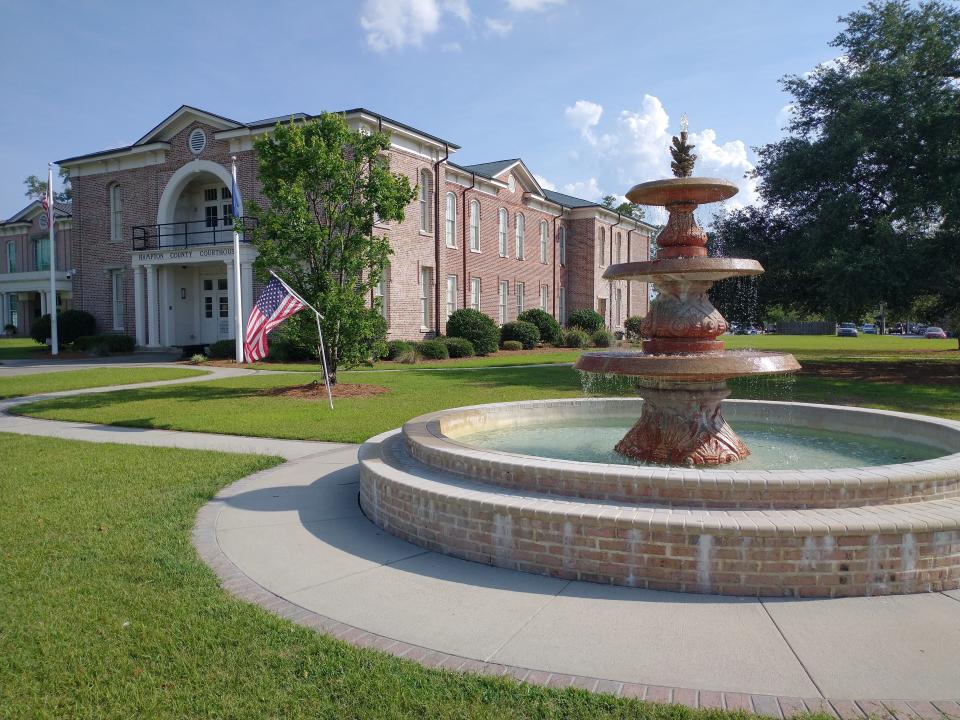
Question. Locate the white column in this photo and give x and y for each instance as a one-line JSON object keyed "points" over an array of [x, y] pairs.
{"points": [[232, 295], [138, 305], [4, 313], [153, 308], [246, 291], [168, 292], [43, 302]]}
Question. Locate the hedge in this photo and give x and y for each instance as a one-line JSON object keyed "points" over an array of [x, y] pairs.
{"points": [[475, 326], [432, 350], [458, 347], [523, 332], [575, 338], [512, 345], [586, 319], [71, 324], [548, 327], [105, 344]]}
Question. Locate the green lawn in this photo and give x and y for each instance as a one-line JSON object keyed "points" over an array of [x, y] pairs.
{"points": [[19, 385], [106, 611], [236, 406], [20, 349]]}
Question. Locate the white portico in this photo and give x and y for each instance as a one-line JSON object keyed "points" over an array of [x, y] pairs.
{"points": [[183, 279]]}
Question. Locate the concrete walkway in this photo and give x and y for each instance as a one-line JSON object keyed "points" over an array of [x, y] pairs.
{"points": [[294, 540]]}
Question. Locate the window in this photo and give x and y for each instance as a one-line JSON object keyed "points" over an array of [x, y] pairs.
{"points": [[13, 314], [562, 305], [227, 206], [116, 213], [381, 292], [426, 285], [475, 293], [544, 297], [602, 245], [617, 304], [11, 256], [502, 232], [543, 241], [504, 291], [618, 247], [41, 254], [451, 295], [602, 307], [116, 287], [426, 187], [520, 293], [450, 229], [519, 226], [210, 215], [475, 226], [563, 246]]}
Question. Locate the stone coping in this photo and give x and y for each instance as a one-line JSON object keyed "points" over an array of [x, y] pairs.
{"points": [[385, 456], [436, 439]]}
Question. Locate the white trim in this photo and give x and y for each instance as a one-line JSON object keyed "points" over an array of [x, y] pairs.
{"points": [[122, 159], [175, 120], [181, 178]]}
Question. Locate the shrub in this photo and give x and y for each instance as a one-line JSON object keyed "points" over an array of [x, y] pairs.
{"points": [[478, 328], [222, 350], [585, 319], [458, 347], [10, 329], [71, 324], [284, 349], [432, 350], [602, 338], [633, 327], [396, 348], [198, 359], [104, 344], [548, 327], [526, 333], [408, 357], [575, 338], [512, 345]]}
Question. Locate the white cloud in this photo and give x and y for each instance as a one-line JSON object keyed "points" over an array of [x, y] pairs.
{"points": [[584, 116], [587, 190], [785, 115], [634, 148], [498, 27], [544, 183], [395, 24], [535, 5]]}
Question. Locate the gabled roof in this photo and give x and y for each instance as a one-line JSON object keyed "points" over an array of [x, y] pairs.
{"points": [[568, 200], [491, 169], [26, 215], [180, 118]]}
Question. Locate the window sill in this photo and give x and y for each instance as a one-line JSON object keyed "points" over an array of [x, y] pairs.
{"points": [[476, 252], [451, 247], [426, 233]]}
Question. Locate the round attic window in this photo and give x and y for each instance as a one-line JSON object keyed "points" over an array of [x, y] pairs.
{"points": [[197, 141]]}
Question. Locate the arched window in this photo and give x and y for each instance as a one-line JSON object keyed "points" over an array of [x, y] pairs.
{"points": [[602, 245], [618, 247], [502, 232], [450, 229], [116, 213], [520, 229], [543, 241], [475, 225], [563, 246], [426, 188]]}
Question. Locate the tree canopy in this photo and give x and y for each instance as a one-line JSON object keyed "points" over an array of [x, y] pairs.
{"points": [[860, 201], [625, 208], [325, 186], [37, 188]]}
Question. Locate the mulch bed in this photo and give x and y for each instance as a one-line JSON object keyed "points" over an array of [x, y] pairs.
{"points": [[898, 373], [318, 391]]}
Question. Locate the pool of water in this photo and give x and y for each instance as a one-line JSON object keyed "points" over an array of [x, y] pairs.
{"points": [[772, 447]]}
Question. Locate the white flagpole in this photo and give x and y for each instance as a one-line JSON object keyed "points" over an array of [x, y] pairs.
{"points": [[323, 352], [238, 291], [52, 304]]}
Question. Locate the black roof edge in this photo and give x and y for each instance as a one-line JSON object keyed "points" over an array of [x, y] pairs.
{"points": [[101, 152]]}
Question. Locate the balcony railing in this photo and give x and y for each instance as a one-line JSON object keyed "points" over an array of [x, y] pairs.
{"points": [[186, 234]]}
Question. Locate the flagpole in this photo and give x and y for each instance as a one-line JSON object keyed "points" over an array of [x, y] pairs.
{"points": [[238, 290], [52, 305], [316, 313]]}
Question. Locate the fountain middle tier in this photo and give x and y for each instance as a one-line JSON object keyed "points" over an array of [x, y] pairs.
{"points": [[695, 367]]}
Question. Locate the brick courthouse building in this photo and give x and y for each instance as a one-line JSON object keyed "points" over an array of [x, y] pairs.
{"points": [[151, 236]]}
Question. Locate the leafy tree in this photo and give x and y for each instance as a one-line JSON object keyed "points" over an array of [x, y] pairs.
{"points": [[37, 188], [860, 200], [626, 208], [324, 185]]}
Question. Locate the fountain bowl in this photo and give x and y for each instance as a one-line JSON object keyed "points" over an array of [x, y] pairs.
{"points": [[836, 532], [697, 190]]}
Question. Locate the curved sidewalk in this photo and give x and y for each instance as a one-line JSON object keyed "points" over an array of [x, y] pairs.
{"points": [[293, 539]]}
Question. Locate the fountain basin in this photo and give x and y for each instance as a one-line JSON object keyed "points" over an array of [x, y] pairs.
{"points": [[691, 367], [826, 533], [684, 269]]}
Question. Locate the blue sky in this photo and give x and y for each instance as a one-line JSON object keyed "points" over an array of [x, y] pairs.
{"points": [[587, 92]]}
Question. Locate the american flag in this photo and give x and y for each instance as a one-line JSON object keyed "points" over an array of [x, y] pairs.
{"points": [[274, 305]]}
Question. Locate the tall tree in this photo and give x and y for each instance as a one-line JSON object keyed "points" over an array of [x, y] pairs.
{"points": [[37, 188], [325, 185], [625, 208], [860, 202]]}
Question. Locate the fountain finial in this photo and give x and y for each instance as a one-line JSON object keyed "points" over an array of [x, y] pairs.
{"points": [[681, 151]]}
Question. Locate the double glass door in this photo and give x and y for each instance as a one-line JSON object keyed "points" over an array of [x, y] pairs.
{"points": [[215, 309]]}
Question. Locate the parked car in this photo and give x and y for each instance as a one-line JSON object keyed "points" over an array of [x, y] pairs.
{"points": [[869, 329], [934, 332], [847, 330]]}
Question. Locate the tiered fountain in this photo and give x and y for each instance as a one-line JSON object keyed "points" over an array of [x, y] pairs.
{"points": [[832, 501], [683, 370]]}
